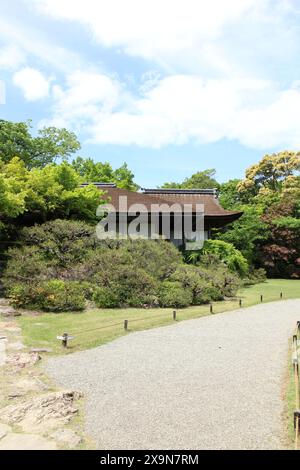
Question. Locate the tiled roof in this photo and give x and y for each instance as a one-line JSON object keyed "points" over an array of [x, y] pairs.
{"points": [[199, 196], [148, 198]]}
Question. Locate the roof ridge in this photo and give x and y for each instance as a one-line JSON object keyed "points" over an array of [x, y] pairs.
{"points": [[210, 191], [100, 185]]}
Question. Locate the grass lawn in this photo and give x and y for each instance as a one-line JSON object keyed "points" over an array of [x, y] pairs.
{"points": [[98, 326]]}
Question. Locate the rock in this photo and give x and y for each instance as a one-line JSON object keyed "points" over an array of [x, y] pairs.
{"points": [[41, 350], [16, 346], [9, 312], [4, 302], [16, 441], [26, 385], [67, 437], [42, 413], [11, 396], [4, 429], [22, 359]]}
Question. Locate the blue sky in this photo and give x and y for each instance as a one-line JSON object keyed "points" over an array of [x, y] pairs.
{"points": [[171, 87]]}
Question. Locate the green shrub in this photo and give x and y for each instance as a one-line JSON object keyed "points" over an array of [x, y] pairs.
{"points": [[25, 265], [62, 264], [125, 286], [193, 279], [105, 297], [228, 254], [255, 276], [59, 296], [24, 296], [50, 296], [135, 286], [226, 282], [158, 258], [61, 241], [172, 294]]}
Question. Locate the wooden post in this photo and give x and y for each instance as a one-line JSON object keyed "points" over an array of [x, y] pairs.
{"points": [[126, 325], [174, 315], [65, 340], [240, 302], [296, 417], [281, 295], [295, 338], [261, 298], [211, 308]]}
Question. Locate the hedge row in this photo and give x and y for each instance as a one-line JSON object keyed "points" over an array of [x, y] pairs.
{"points": [[60, 265]]}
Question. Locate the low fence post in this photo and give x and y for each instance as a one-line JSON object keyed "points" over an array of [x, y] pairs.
{"points": [[174, 315], [211, 308], [240, 302], [125, 325], [65, 340], [261, 298]]}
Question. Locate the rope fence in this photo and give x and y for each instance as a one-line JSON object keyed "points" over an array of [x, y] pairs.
{"points": [[127, 322]]}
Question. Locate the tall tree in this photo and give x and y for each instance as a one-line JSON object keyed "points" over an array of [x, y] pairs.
{"points": [[45, 193], [229, 196], [49, 145], [280, 254], [270, 172], [103, 172], [200, 180]]}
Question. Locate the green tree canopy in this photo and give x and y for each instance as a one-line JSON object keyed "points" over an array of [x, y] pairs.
{"points": [[229, 196], [49, 145], [270, 172], [201, 180], [45, 193], [103, 172], [246, 232]]}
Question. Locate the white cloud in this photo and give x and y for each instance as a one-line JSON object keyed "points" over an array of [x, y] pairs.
{"points": [[148, 26], [186, 35], [84, 96], [178, 109], [11, 57], [273, 126], [225, 72], [32, 83], [35, 43], [183, 108], [85, 88]]}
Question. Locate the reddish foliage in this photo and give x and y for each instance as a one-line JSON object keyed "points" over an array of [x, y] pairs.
{"points": [[279, 255]]}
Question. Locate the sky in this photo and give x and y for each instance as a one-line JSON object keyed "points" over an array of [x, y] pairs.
{"points": [[169, 86]]}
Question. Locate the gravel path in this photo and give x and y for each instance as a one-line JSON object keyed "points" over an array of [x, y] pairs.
{"points": [[211, 383]]}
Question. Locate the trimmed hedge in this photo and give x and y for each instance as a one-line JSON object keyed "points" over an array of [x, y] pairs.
{"points": [[51, 296], [62, 264]]}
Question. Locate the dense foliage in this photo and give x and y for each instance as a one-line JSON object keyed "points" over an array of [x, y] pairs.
{"points": [[36, 152], [57, 263], [45, 193], [268, 234], [61, 264], [203, 179], [92, 171]]}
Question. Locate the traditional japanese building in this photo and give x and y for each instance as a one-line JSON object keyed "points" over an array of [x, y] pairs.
{"points": [[168, 203]]}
